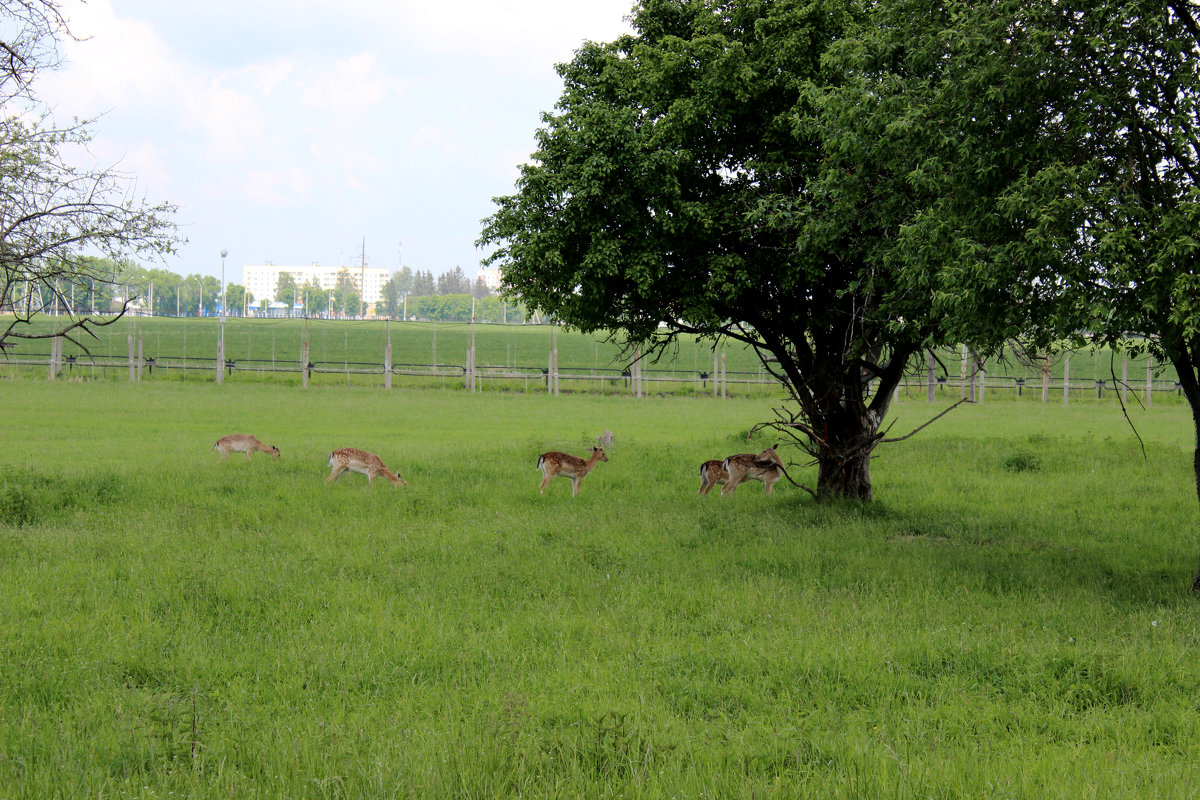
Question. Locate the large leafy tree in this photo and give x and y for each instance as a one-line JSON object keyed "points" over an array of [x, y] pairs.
{"points": [[1139, 91], [58, 220], [730, 170], [1131, 69], [1104, 186]]}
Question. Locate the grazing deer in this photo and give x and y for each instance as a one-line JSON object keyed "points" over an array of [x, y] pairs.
{"points": [[362, 462], [242, 443], [767, 467], [573, 467], [711, 473]]}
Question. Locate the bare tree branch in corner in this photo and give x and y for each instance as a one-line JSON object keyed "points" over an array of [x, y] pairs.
{"points": [[58, 220]]}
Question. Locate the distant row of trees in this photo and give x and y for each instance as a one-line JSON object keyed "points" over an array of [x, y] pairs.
{"points": [[406, 295], [423, 284], [104, 286], [108, 284]]}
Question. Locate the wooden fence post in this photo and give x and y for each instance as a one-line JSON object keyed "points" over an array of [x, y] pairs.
{"points": [[1149, 380], [140, 360], [1067, 379], [962, 376], [54, 345], [1046, 379], [981, 373], [387, 363], [1124, 379], [304, 365], [635, 373], [471, 377], [220, 361], [932, 378], [724, 378], [131, 364]]}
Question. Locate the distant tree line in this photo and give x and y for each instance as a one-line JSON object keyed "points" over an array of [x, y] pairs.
{"points": [[408, 294], [104, 286], [449, 297]]}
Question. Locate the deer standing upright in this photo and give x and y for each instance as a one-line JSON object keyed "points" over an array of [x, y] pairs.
{"points": [[569, 466], [767, 467], [711, 474]]}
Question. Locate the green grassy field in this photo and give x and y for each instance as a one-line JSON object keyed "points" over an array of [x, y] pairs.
{"points": [[1010, 619]]}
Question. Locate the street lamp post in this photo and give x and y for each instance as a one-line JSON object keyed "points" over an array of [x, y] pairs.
{"points": [[221, 338]]}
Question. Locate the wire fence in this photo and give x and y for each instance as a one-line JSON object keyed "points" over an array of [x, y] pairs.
{"points": [[633, 377], [468, 374]]}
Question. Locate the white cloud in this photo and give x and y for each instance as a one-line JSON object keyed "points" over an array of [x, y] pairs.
{"points": [[112, 62], [283, 126], [529, 32], [347, 89], [288, 187], [435, 138]]}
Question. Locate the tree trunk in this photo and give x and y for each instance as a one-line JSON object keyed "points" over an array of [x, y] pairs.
{"points": [[1184, 360], [849, 479], [1195, 403], [844, 454]]}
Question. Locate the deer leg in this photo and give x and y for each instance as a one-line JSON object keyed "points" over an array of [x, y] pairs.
{"points": [[335, 474]]}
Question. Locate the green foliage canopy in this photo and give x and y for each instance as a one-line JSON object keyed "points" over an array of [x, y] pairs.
{"points": [[745, 169]]}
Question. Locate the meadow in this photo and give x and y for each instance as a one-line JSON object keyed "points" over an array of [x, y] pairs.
{"points": [[1009, 619]]}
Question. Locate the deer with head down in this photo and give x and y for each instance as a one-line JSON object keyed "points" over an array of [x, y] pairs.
{"points": [[569, 466], [362, 462], [766, 466], [243, 443]]}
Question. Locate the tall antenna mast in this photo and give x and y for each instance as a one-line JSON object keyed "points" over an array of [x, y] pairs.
{"points": [[362, 281]]}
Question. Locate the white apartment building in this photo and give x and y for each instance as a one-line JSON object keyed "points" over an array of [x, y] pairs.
{"points": [[261, 280], [490, 277]]}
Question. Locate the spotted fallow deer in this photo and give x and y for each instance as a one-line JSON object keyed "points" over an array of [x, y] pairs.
{"points": [[711, 474], [573, 467], [767, 467], [242, 443], [362, 462]]}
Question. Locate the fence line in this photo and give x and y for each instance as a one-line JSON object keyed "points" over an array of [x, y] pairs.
{"points": [[972, 381]]}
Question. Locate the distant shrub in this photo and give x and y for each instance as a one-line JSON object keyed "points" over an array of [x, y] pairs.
{"points": [[1023, 462], [16, 506]]}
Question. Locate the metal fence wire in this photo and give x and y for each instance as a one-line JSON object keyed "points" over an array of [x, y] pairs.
{"points": [[635, 377]]}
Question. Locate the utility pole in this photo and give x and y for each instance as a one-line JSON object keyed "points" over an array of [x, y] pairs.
{"points": [[362, 281]]}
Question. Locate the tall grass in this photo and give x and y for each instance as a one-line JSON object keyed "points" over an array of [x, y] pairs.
{"points": [[1009, 620]]}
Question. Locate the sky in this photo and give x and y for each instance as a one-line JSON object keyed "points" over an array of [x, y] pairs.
{"points": [[302, 131]]}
